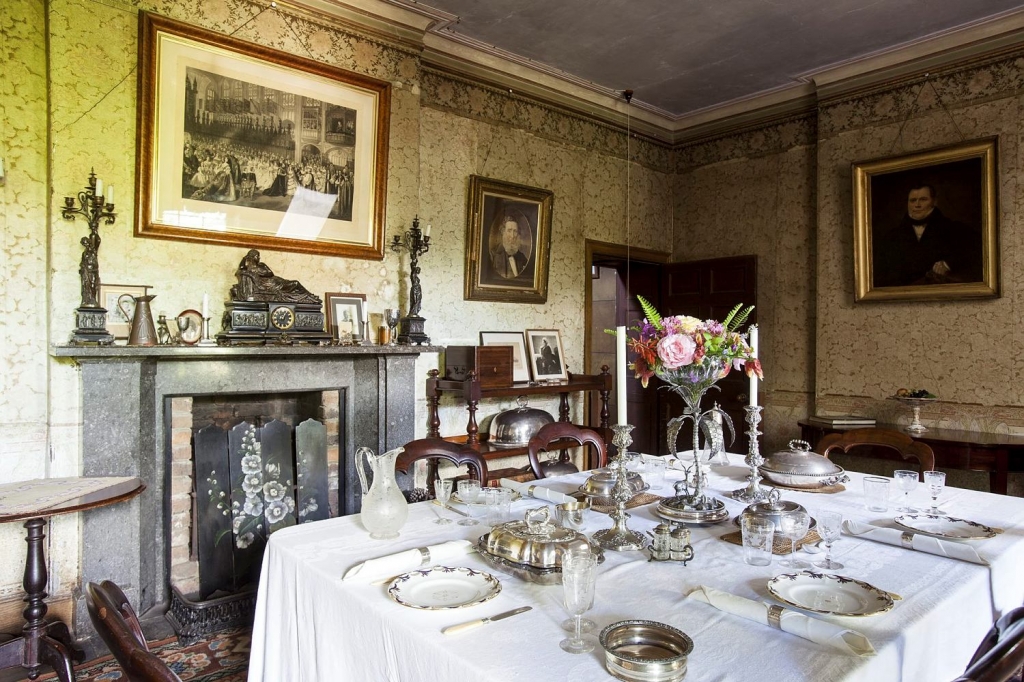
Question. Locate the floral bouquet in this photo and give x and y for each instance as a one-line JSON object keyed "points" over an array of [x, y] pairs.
{"points": [[688, 354]]}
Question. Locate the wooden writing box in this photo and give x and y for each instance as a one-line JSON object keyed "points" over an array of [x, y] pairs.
{"points": [[492, 364]]}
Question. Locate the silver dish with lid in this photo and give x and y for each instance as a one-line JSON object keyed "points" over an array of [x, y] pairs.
{"points": [[645, 651], [532, 549], [514, 428], [799, 467], [773, 509], [599, 486]]}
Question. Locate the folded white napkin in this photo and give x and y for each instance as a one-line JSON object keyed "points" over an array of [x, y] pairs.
{"points": [[536, 491], [410, 559], [915, 541], [818, 631]]}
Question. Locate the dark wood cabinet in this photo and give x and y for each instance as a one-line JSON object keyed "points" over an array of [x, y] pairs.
{"points": [[995, 453]]}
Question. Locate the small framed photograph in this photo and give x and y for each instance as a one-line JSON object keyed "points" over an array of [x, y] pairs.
{"points": [[345, 316], [119, 318], [520, 365], [547, 361], [925, 225]]}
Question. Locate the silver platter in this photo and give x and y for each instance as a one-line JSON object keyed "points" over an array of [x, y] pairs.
{"points": [[687, 509]]}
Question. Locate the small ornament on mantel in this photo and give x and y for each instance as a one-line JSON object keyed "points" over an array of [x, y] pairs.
{"points": [[266, 308]]}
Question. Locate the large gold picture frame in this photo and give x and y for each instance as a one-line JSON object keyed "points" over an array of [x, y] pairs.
{"points": [[243, 145], [925, 225], [508, 237]]}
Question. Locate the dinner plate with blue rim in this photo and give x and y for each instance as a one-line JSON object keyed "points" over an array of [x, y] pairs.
{"points": [[443, 587], [831, 594], [946, 527]]}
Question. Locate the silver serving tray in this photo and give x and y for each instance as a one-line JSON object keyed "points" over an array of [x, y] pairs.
{"points": [[531, 574]]}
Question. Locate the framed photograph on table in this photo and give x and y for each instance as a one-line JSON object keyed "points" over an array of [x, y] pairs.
{"points": [[508, 235], [345, 316], [118, 323], [244, 145], [925, 225], [547, 360], [520, 363]]}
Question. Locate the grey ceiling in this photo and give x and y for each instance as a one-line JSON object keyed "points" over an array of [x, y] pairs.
{"points": [[685, 55]]}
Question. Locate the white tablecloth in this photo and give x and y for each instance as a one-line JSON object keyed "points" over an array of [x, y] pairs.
{"points": [[311, 626]]}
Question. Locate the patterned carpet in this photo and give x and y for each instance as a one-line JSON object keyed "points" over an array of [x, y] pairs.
{"points": [[223, 656]]}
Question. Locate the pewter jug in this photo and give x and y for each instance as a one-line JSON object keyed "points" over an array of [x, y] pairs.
{"points": [[384, 506], [142, 331]]}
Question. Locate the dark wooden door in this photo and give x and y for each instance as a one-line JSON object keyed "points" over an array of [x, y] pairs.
{"points": [[708, 289]]}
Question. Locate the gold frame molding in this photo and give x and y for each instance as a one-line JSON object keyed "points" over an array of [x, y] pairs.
{"points": [[367, 226], [863, 231], [533, 205]]}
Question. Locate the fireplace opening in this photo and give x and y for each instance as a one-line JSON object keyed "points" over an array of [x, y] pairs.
{"points": [[243, 467]]}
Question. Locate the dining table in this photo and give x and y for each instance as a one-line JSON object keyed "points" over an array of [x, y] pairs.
{"points": [[311, 625]]}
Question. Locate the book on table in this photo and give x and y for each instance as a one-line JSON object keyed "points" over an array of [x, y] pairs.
{"points": [[843, 420]]}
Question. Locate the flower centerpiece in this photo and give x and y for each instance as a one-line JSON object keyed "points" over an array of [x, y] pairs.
{"points": [[688, 354]]}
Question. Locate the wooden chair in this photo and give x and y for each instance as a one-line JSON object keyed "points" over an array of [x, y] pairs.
{"points": [[556, 431], [885, 443], [436, 449], [1000, 657], [115, 620]]}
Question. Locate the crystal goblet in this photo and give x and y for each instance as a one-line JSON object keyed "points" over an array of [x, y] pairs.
{"points": [[936, 481], [830, 525], [391, 317], [794, 526], [906, 480], [569, 624], [443, 491], [579, 577]]}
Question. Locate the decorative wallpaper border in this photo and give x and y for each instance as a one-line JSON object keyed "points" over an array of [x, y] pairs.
{"points": [[760, 139], [466, 97], [956, 86]]}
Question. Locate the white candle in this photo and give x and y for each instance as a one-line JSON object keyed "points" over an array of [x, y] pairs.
{"points": [[426, 232], [620, 373], [99, 187], [206, 306], [366, 314], [753, 377], [110, 194]]}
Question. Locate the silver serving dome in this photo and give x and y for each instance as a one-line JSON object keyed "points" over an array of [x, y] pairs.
{"points": [[514, 428], [798, 467]]}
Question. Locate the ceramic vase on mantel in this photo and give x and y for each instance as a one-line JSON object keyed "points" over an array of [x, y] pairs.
{"points": [[691, 383]]}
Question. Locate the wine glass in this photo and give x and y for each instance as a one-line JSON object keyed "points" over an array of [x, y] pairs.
{"points": [[569, 624], [906, 480], [830, 525], [579, 577], [469, 494], [794, 526], [935, 480], [391, 317], [442, 491]]}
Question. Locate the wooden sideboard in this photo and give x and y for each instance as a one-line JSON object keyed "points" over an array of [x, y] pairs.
{"points": [[995, 453]]}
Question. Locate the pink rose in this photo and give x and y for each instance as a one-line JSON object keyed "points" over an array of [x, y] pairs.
{"points": [[676, 350]]}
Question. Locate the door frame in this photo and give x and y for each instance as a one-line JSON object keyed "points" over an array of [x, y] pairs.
{"points": [[623, 251]]}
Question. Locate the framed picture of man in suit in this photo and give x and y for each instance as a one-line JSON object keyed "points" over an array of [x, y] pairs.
{"points": [[547, 359], [925, 225], [508, 234]]}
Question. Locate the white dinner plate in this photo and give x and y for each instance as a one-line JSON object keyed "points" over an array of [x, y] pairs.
{"points": [[946, 527], [443, 587], [834, 595]]}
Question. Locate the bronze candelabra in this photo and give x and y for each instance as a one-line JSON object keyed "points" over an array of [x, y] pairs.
{"points": [[90, 316], [417, 243]]}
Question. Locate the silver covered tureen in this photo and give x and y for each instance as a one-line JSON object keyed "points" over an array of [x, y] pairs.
{"points": [[798, 467]]}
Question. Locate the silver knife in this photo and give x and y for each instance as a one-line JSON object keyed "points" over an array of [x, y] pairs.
{"points": [[452, 629], [448, 507]]}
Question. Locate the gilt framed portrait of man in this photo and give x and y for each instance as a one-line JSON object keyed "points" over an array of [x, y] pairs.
{"points": [[508, 235], [925, 225]]}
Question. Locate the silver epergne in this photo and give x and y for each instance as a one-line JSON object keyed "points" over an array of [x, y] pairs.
{"points": [[753, 492], [619, 538]]}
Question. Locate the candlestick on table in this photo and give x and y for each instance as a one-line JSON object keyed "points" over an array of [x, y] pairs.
{"points": [[620, 373]]}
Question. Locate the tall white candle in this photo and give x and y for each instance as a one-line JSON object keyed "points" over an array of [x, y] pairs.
{"points": [[426, 232], [366, 314], [99, 187], [620, 374], [753, 377], [206, 306], [110, 194]]}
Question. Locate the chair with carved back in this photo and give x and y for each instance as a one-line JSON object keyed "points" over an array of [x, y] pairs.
{"points": [[884, 443], [549, 434], [434, 451], [1000, 656], [115, 621]]}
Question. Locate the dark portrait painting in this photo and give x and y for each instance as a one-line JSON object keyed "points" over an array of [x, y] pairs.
{"points": [[926, 224], [508, 233]]}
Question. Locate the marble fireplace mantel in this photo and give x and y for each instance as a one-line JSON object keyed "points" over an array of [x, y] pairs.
{"points": [[125, 417]]}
